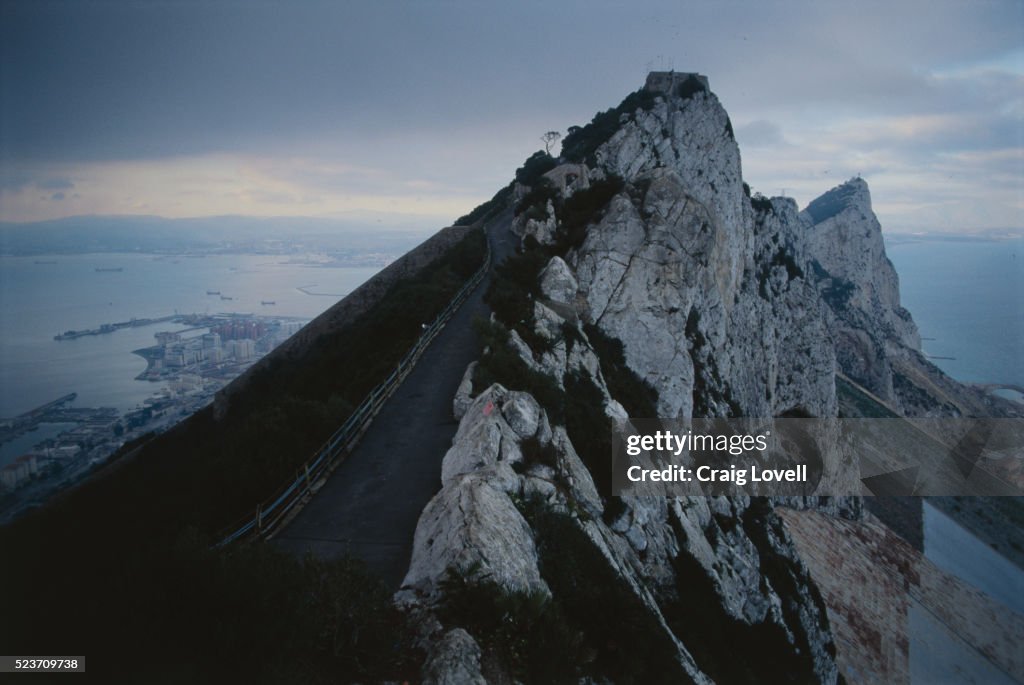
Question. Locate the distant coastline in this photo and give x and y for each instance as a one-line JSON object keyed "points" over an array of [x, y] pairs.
{"points": [[990, 236]]}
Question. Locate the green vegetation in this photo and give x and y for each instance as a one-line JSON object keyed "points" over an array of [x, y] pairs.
{"points": [[488, 210], [759, 202], [625, 641], [910, 393], [782, 258], [589, 428], [535, 202], [579, 407], [512, 292], [581, 143], [592, 626], [535, 166], [119, 566], [524, 634], [501, 364], [581, 210], [690, 87], [175, 611], [574, 215], [854, 403]]}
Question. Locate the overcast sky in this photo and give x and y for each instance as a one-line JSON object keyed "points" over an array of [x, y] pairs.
{"points": [[426, 108]]}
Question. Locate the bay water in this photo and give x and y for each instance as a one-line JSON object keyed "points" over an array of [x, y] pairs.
{"points": [[43, 296]]}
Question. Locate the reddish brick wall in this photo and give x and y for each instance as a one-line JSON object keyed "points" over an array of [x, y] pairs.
{"points": [[868, 577]]}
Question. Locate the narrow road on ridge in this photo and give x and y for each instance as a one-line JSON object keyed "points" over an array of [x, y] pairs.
{"points": [[370, 505]]}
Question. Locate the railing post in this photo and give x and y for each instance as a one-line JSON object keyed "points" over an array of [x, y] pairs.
{"points": [[380, 393]]}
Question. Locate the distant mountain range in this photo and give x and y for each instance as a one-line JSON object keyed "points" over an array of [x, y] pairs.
{"points": [[217, 233]]}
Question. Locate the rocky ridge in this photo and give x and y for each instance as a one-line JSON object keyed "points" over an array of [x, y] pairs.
{"points": [[653, 281]]}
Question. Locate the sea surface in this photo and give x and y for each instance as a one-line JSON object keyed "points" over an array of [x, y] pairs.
{"points": [[967, 298], [41, 296]]}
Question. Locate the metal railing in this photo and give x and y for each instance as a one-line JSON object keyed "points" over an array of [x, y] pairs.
{"points": [[271, 513]]}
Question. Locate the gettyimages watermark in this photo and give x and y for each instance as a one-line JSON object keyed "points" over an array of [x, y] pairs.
{"points": [[818, 457]]}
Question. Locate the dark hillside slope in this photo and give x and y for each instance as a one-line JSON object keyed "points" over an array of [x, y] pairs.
{"points": [[120, 566]]}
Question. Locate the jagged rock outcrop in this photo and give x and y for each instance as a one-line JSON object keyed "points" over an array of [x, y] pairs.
{"points": [[702, 289], [845, 238], [859, 285], [473, 525], [725, 304], [558, 283], [455, 660], [472, 522], [876, 342]]}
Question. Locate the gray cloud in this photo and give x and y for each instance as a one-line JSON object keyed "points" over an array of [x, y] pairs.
{"points": [[118, 80], [456, 93], [14, 179], [55, 184], [759, 133]]}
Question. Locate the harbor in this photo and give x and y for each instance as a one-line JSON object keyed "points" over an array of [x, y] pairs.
{"points": [[51, 412], [56, 444], [111, 327]]}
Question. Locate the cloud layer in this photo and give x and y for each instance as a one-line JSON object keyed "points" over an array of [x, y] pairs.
{"points": [[427, 108]]}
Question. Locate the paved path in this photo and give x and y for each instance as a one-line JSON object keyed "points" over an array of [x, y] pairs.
{"points": [[371, 503]]}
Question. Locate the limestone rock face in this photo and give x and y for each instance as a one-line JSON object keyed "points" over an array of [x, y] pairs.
{"points": [[541, 229], [846, 240], [876, 342], [700, 302], [455, 660], [557, 281], [726, 304], [472, 522], [859, 285], [690, 139], [464, 393]]}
